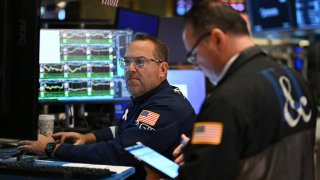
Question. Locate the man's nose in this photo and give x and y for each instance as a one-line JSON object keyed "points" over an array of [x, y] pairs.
{"points": [[131, 66]]}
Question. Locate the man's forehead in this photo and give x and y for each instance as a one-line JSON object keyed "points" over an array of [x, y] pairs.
{"points": [[140, 48]]}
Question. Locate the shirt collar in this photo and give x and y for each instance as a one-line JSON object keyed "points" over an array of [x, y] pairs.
{"points": [[225, 68]]}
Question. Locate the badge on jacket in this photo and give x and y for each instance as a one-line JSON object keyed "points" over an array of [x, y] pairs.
{"points": [[148, 117], [207, 133]]}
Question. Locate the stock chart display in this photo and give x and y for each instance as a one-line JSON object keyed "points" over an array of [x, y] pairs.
{"points": [[307, 13], [82, 65]]}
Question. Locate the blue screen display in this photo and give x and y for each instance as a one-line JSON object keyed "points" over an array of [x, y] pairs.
{"points": [[308, 13], [137, 21], [191, 83]]}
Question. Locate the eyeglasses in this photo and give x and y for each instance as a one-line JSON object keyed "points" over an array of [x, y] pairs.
{"points": [[138, 61], [192, 57]]}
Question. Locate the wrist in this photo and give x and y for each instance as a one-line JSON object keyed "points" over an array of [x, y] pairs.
{"points": [[55, 149], [90, 138], [50, 148]]}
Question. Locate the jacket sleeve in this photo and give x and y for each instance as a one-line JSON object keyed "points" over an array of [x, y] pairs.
{"points": [[103, 134], [214, 161], [164, 138]]}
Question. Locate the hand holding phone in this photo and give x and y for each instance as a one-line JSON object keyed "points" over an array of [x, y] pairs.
{"points": [[154, 160]]}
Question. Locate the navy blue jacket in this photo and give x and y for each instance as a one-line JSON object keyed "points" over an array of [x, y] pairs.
{"points": [[172, 115]]}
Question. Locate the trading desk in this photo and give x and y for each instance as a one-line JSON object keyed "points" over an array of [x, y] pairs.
{"points": [[121, 172]]}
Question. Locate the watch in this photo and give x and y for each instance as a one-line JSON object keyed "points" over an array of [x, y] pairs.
{"points": [[50, 148]]}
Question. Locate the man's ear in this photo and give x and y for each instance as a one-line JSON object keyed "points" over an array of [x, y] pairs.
{"points": [[164, 66], [218, 37]]}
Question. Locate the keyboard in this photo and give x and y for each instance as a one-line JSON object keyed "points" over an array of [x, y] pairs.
{"points": [[7, 154], [52, 171]]}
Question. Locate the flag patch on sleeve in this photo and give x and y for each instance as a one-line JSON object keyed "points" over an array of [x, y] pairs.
{"points": [[207, 133], [148, 117]]}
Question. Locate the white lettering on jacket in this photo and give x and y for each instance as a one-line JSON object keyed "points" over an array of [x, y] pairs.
{"points": [[291, 104]]}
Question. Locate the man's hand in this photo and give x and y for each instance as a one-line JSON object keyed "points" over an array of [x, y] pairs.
{"points": [[151, 174], [36, 147], [177, 153], [74, 138]]}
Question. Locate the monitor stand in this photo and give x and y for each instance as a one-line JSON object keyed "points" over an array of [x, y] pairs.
{"points": [[70, 114], [69, 110]]}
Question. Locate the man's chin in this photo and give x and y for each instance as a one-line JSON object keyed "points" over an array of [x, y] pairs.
{"points": [[133, 82], [134, 92]]}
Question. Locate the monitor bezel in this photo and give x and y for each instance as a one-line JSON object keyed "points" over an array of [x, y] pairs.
{"points": [[19, 70]]}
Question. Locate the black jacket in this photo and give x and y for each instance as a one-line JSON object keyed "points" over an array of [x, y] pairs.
{"points": [[266, 117]]}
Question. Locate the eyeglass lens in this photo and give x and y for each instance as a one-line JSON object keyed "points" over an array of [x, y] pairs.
{"points": [[191, 56], [126, 61]]}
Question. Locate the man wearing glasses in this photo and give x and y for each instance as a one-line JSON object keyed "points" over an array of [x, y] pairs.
{"points": [[259, 122], [156, 116]]}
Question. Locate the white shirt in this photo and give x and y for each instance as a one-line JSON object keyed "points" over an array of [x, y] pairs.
{"points": [[215, 78]]}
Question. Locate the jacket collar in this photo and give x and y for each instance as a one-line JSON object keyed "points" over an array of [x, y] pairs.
{"points": [[244, 57]]}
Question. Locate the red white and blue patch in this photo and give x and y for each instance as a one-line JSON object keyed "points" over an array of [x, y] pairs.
{"points": [[148, 117], [207, 133]]}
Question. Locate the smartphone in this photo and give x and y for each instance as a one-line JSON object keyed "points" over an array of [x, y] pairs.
{"points": [[154, 160]]}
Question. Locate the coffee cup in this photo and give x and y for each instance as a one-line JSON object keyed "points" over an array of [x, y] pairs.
{"points": [[46, 124]]}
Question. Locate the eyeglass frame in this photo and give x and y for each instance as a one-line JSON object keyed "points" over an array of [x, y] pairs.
{"points": [[133, 59], [191, 57]]}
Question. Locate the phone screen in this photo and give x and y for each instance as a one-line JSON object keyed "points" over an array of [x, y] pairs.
{"points": [[154, 159]]}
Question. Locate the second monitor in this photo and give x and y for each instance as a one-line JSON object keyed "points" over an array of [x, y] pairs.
{"points": [[191, 83], [81, 65]]}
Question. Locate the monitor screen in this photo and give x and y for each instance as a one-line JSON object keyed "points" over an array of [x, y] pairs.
{"points": [[170, 32], [308, 13], [137, 21], [192, 85], [81, 65], [268, 15], [19, 34]]}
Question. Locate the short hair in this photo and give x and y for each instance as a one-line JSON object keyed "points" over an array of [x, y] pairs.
{"points": [[207, 15], [161, 49]]}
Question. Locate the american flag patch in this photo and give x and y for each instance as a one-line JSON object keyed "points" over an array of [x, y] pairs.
{"points": [[207, 133], [148, 117], [110, 2]]}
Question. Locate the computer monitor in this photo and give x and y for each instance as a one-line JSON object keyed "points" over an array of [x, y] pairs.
{"points": [[307, 14], [137, 21], [271, 15], [82, 65], [191, 83], [170, 32], [19, 34]]}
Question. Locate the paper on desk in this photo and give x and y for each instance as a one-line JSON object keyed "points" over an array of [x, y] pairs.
{"points": [[117, 169]]}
